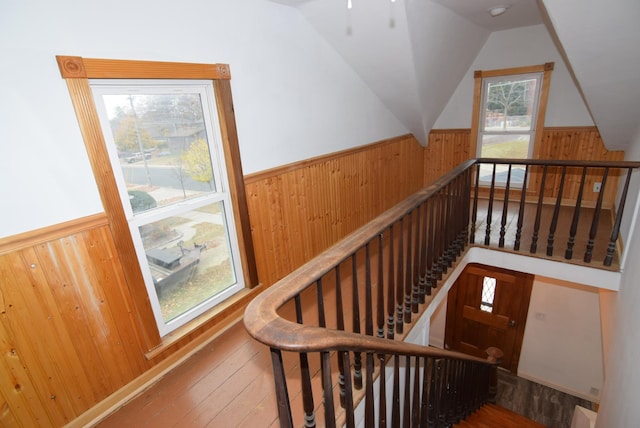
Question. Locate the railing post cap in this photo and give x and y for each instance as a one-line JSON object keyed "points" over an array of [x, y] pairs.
{"points": [[494, 354]]}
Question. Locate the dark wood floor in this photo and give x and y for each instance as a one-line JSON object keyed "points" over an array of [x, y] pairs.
{"points": [[229, 382]]}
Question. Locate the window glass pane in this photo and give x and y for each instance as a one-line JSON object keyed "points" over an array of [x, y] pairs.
{"points": [[505, 146], [509, 104], [515, 146], [162, 147], [488, 294], [189, 258]]}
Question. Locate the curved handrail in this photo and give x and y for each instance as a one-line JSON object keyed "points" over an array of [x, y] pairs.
{"points": [[261, 317]]}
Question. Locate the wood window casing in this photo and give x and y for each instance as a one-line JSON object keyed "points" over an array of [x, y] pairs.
{"points": [[77, 71], [478, 75]]}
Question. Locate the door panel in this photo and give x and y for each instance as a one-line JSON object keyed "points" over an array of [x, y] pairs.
{"points": [[475, 323]]}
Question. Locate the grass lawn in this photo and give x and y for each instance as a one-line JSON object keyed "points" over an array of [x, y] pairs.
{"points": [[516, 149]]}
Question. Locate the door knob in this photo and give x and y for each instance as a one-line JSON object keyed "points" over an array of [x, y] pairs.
{"points": [[512, 323]]}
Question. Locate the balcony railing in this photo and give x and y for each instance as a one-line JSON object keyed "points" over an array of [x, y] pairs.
{"points": [[344, 314]]}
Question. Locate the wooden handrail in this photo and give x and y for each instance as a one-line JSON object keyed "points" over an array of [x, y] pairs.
{"points": [[555, 162], [265, 325]]}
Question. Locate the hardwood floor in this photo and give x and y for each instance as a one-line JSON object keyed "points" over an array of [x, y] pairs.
{"points": [[229, 382], [492, 416]]}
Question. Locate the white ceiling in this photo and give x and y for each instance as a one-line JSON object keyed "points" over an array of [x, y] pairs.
{"points": [[600, 41], [520, 13]]}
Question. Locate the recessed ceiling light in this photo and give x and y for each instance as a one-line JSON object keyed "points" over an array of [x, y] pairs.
{"points": [[498, 10]]}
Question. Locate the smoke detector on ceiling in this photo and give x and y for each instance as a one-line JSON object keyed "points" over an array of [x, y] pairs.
{"points": [[498, 10]]}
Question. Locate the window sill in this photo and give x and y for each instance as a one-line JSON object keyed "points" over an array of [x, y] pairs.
{"points": [[208, 324]]}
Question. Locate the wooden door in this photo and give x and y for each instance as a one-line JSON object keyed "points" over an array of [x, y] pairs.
{"points": [[476, 322]]}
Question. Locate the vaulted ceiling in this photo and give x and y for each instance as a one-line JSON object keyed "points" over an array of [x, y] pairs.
{"points": [[413, 53]]}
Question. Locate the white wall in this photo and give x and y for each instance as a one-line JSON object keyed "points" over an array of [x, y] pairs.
{"points": [[294, 96], [516, 48], [562, 345], [619, 407]]}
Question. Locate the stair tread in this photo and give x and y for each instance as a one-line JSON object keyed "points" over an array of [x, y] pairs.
{"points": [[493, 416]]}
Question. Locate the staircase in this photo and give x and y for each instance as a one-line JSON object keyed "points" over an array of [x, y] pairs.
{"points": [[493, 416]]}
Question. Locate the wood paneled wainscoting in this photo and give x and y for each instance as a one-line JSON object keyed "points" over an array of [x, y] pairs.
{"points": [[299, 210], [66, 331], [71, 347]]}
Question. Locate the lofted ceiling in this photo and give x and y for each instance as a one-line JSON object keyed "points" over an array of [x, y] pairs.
{"points": [[392, 46]]}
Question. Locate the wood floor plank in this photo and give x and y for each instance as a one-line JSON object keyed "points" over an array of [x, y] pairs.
{"points": [[492, 416]]}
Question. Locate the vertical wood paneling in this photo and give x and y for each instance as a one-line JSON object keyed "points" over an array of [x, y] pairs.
{"points": [[447, 148], [301, 209], [577, 143], [67, 336]]}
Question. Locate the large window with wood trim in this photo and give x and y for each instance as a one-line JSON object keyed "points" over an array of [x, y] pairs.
{"points": [[162, 143], [165, 150], [508, 114]]}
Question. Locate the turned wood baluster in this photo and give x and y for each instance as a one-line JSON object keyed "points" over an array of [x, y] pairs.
{"points": [[348, 399], [382, 408], [395, 404], [523, 196], [487, 235], [440, 237], [448, 227], [415, 404], [474, 211], [424, 237], [536, 226], [596, 218], [463, 211], [368, 292], [380, 304], [505, 209], [556, 213], [462, 208], [406, 408], [408, 270], [616, 227], [424, 400], [400, 281], [340, 326], [305, 376], [415, 276], [568, 254], [357, 356], [282, 395], [432, 418], [327, 386], [391, 296], [431, 247], [466, 197], [369, 403]]}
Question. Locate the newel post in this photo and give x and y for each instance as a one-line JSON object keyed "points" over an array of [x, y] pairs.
{"points": [[494, 357]]}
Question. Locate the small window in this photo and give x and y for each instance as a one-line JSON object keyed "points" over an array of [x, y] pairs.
{"points": [[166, 154], [488, 294], [509, 116]]}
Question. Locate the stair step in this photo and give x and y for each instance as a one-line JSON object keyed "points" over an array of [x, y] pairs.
{"points": [[492, 416]]}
